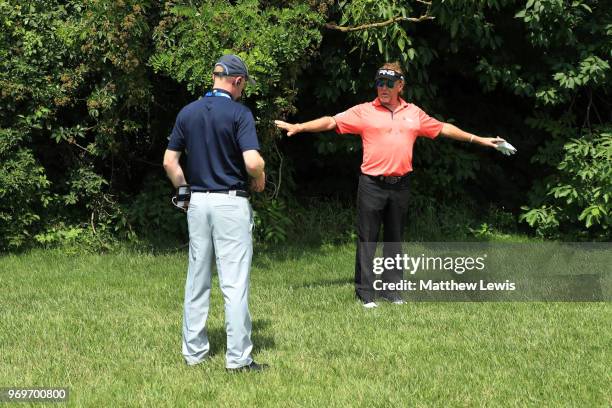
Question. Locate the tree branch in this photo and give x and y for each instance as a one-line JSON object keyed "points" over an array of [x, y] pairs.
{"points": [[280, 172], [93, 227], [379, 24], [73, 142]]}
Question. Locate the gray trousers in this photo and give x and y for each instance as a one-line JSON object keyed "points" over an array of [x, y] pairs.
{"points": [[219, 224]]}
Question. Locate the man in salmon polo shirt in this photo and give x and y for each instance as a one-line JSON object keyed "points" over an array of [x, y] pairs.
{"points": [[388, 127]]}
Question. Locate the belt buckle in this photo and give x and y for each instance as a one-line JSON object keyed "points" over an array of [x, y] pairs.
{"points": [[392, 179]]}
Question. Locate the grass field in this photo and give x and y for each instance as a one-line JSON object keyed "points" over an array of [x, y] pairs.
{"points": [[108, 327]]}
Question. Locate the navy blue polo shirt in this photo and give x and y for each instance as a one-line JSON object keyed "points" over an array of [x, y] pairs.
{"points": [[214, 131]]}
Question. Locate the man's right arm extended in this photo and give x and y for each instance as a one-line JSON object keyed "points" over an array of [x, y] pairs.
{"points": [[318, 125]]}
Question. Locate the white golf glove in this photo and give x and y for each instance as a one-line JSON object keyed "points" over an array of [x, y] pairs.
{"points": [[506, 148]]}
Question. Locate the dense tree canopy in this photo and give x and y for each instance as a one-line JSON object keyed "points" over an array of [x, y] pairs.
{"points": [[89, 90]]}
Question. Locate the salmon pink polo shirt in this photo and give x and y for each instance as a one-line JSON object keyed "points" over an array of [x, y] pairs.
{"points": [[387, 137]]}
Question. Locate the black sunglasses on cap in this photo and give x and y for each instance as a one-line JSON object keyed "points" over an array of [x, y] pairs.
{"points": [[389, 83]]}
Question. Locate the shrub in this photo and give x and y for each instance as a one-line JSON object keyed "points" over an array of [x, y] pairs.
{"points": [[580, 193], [24, 192]]}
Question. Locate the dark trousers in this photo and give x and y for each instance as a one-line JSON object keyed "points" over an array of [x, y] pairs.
{"points": [[378, 204]]}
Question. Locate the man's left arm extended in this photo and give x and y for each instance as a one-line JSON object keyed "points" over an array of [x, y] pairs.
{"points": [[173, 168], [453, 132]]}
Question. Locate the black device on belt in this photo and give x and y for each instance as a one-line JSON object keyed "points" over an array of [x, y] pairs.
{"points": [[237, 193], [388, 179]]}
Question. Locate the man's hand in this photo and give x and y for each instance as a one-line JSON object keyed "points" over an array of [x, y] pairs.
{"points": [[506, 148], [499, 144], [291, 128], [489, 141], [259, 184]]}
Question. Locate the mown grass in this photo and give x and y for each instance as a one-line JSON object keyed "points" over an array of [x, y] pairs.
{"points": [[108, 326]]}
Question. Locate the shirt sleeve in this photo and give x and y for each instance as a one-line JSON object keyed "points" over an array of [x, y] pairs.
{"points": [[176, 140], [428, 126], [350, 121], [246, 136]]}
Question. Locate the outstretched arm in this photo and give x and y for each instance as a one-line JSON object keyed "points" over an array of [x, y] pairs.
{"points": [[453, 132], [318, 125]]}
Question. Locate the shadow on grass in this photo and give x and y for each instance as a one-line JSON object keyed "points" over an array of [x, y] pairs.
{"points": [[261, 337]]}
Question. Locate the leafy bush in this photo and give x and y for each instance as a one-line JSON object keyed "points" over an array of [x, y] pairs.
{"points": [[272, 223], [89, 90], [151, 214], [24, 192], [76, 238], [580, 193]]}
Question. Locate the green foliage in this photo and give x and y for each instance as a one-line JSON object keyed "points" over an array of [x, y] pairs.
{"points": [[274, 43], [60, 235], [77, 239], [500, 225], [459, 166], [387, 40], [24, 191], [272, 223], [151, 214], [89, 90], [575, 42], [565, 72], [73, 88], [326, 221], [580, 193], [574, 199]]}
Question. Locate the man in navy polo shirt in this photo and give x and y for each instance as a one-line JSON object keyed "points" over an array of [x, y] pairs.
{"points": [[218, 135]]}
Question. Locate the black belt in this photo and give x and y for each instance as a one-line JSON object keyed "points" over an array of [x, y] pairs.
{"points": [[388, 179], [237, 193]]}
